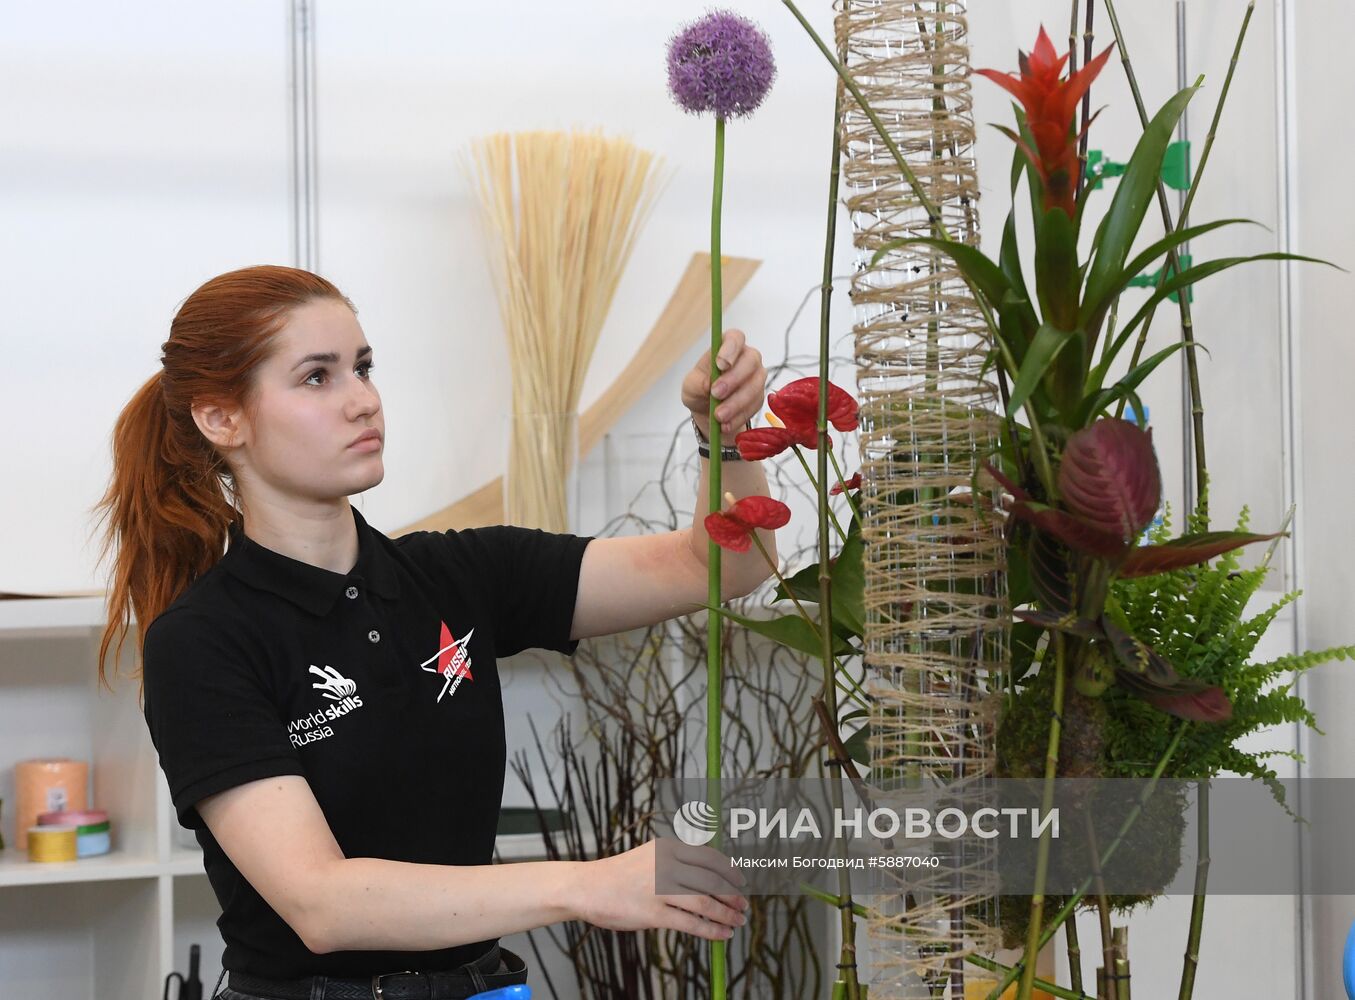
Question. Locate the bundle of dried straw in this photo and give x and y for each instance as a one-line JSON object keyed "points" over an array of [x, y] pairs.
{"points": [[561, 212]]}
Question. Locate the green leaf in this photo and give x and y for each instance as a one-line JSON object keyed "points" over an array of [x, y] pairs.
{"points": [[1025, 638], [1094, 311], [1124, 387], [1044, 349], [1201, 271], [1057, 278], [1132, 197], [1009, 257], [789, 630], [857, 747], [849, 585]]}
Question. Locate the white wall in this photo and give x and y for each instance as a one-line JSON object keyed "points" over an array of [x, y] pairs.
{"points": [[145, 149]]}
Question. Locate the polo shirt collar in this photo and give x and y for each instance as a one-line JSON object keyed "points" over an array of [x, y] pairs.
{"points": [[310, 587]]}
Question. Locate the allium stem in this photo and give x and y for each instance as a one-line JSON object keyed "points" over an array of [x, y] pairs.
{"points": [[715, 621]]}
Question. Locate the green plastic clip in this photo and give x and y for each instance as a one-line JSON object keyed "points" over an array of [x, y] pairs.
{"points": [[1151, 280], [1175, 167]]}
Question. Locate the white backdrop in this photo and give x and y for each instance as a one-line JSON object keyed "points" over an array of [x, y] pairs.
{"points": [[146, 148]]}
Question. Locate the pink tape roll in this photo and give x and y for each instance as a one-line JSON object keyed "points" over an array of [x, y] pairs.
{"points": [[51, 785]]}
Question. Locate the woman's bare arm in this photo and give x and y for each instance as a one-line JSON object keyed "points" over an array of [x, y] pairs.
{"points": [[275, 833]]}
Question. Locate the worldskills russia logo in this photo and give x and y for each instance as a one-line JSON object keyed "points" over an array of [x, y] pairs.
{"points": [[452, 661]]}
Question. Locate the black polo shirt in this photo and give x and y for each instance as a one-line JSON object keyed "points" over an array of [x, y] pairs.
{"points": [[378, 686]]}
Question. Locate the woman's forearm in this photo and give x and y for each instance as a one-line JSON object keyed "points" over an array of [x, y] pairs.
{"points": [[740, 572], [370, 904]]}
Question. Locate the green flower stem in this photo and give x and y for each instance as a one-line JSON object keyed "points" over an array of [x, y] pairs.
{"points": [[852, 688], [1192, 959], [1051, 764], [837, 469], [1050, 988], [1077, 897], [847, 971], [1040, 453], [814, 481], [715, 621]]}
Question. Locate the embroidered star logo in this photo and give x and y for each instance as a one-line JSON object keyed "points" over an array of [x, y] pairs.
{"points": [[453, 661]]}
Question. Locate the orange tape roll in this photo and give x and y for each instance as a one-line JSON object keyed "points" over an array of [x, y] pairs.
{"points": [[42, 786]]}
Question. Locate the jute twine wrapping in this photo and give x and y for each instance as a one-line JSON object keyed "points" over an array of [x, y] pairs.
{"points": [[937, 616]]}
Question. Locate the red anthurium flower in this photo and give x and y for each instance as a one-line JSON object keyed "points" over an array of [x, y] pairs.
{"points": [[733, 528], [763, 442], [851, 484], [797, 406], [1050, 103]]}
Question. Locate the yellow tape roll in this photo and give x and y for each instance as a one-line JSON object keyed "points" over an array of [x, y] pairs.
{"points": [[51, 843]]}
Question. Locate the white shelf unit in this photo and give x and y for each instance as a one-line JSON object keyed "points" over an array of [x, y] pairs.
{"points": [[116, 925]]}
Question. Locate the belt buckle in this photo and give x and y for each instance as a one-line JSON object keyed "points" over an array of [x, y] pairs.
{"points": [[378, 994]]}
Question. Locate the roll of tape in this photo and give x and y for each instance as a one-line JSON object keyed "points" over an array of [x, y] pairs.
{"points": [[43, 786], [92, 830], [52, 843]]}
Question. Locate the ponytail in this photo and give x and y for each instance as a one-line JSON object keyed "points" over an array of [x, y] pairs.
{"points": [[171, 497]]}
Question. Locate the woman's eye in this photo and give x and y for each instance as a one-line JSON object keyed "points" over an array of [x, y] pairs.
{"points": [[318, 371], [369, 365]]}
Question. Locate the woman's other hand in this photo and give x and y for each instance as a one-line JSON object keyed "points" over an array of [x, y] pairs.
{"points": [[618, 893]]}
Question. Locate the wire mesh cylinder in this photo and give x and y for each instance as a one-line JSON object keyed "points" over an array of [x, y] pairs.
{"points": [[937, 617]]}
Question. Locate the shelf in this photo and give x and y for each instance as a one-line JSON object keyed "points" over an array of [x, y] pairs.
{"points": [[51, 615], [16, 869]]}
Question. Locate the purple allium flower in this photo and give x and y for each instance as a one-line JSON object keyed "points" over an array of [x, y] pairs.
{"points": [[721, 63]]}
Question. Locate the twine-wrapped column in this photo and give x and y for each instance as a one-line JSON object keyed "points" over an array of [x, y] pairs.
{"points": [[937, 618]]}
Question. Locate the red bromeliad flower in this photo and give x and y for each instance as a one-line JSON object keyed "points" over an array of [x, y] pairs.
{"points": [[796, 408], [733, 528], [851, 484], [1051, 103]]}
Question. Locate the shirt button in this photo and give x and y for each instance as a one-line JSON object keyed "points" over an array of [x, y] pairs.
{"points": [[351, 592], [373, 636]]}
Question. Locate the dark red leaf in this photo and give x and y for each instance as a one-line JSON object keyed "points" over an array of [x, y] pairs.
{"points": [[1188, 550], [1109, 478], [1072, 531], [1062, 623], [1207, 705]]}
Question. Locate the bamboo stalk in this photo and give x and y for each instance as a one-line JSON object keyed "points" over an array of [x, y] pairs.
{"points": [[1173, 263], [847, 962], [1192, 959], [1051, 763], [1074, 955]]}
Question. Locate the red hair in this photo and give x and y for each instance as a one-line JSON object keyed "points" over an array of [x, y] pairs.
{"points": [[171, 497]]}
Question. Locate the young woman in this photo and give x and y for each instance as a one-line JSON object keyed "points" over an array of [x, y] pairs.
{"points": [[324, 699]]}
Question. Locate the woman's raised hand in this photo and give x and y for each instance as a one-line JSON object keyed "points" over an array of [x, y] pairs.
{"points": [[741, 387]]}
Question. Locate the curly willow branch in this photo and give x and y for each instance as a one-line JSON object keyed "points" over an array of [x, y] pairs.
{"points": [[937, 616]]}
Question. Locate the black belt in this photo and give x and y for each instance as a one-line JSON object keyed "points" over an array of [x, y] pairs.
{"points": [[493, 970]]}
